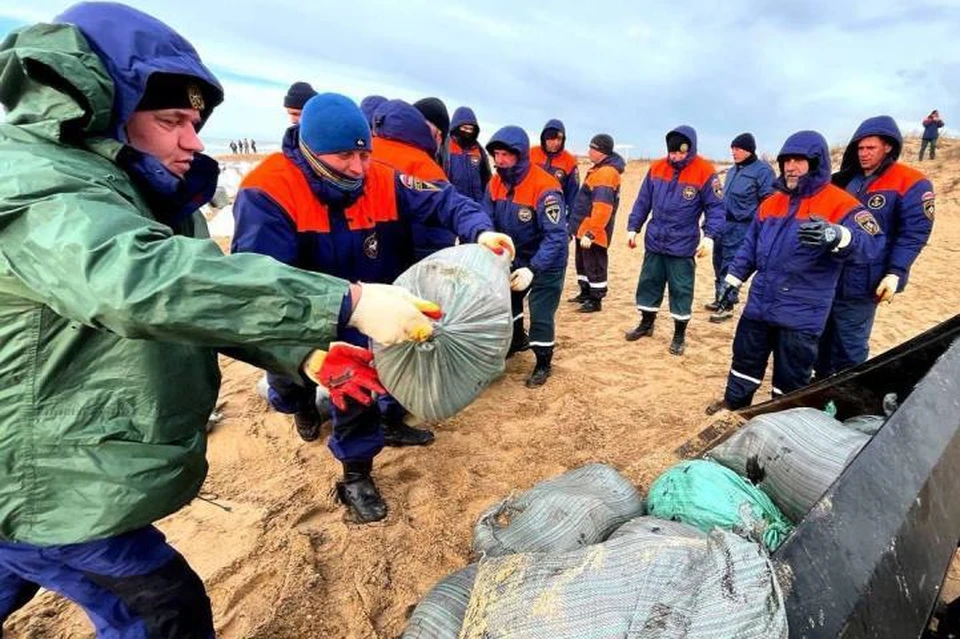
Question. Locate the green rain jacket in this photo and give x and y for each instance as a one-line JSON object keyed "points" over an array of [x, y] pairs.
{"points": [[111, 321]]}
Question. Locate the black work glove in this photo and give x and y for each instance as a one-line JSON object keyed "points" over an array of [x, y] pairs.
{"points": [[819, 232], [727, 292]]}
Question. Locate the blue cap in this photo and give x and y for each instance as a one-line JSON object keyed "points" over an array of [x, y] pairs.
{"points": [[331, 123]]}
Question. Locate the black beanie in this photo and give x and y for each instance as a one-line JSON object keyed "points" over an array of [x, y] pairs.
{"points": [[178, 91], [744, 141], [675, 142], [435, 112], [603, 143], [297, 95]]}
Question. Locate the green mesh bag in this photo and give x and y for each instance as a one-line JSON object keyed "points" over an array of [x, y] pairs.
{"points": [[706, 495]]}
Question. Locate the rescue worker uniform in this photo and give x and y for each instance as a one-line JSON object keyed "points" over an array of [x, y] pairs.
{"points": [[468, 162], [673, 196], [561, 164], [794, 281], [747, 184], [902, 200], [300, 212], [593, 217], [526, 203]]}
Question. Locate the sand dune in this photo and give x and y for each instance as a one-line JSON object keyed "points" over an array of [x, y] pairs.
{"points": [[281, 562]]}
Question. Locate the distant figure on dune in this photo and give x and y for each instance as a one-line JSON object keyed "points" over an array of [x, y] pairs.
{"points": [[321, 204], [931, 131], [901, 198], [469, 166], [117, 310], [795, 249], [675, 193], [749, 181], [253, 146], [592, 220], [233, 147], [552, 157], [297, 95], [526, 203], [246, 146]]}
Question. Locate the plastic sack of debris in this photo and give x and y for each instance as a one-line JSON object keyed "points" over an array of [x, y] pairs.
{"points": [[636, 585], [654, 526], [578, 508], [866, 424], [792, 455], [439, 615], [437, 378], [707, 495]]}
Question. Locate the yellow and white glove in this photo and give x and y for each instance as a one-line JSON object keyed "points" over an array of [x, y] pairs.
{"points": [[632, 239], [520, 279], [585, 242], [887, 289], [389, 314], [706, 247], [497, 242]]}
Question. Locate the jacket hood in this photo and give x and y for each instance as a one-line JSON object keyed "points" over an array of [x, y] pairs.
{"points": [[515, 140], [132, 46], [464, 115], [689, 133], [813, 146], [553, 124], [369, 105], [881, 125], [397, 120], [615, 160]]}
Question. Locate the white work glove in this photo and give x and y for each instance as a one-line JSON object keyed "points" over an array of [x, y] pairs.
{"points": [[732, 281], [706, 247], [585, 242], [497, 242], [520, 279], [632, 239], [887, 289], [389, 314]]}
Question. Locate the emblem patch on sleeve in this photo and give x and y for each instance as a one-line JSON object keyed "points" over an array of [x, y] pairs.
{"points": [[717, 188], [689, 192], [867, 222], [876, 201], [371, 246], [416, 184], [524, 214], [928, 204], [553, 208], [560, 175]]}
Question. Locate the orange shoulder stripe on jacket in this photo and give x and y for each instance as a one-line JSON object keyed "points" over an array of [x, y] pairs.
{"points": [[407, 159], [898, 177], [604, 176], [280, 179]]}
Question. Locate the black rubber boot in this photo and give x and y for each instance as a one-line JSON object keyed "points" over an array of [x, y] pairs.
{"points": [[644, 329], [399, 434], [722, 314], [678, 345], [590, 305], [712, 306], [308, 422], [542, 369], [580, 297], [717, 406], [520, 341], [359, 494]]}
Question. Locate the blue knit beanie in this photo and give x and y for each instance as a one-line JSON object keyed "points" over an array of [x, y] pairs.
{"points": [[331, 123]]}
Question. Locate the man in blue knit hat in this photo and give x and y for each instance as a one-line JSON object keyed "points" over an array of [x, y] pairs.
{"points": [[322, 205]]}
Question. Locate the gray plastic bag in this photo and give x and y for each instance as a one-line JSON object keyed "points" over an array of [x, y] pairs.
{"points": [[578, 508], [437, 378], [801, 452], [439, 615]]}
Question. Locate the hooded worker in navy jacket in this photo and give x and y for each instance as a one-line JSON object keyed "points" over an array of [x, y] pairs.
{"points": [[748, 182], [402, 140], [469, 168], [552, 157], [526, 203], [902, 200], [322, 204], [795, 248], [675, 193]]}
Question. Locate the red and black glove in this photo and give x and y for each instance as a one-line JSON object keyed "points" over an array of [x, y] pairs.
{"points": [[345, 370]]}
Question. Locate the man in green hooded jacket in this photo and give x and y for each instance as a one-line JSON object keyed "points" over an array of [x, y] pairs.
{"points": [[113, 307]]}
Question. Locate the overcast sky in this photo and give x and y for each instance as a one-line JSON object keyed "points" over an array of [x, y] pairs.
{"points": [[631, 69]]}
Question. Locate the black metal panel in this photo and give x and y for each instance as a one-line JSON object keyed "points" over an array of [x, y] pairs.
{"points": [[869, 559]]}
